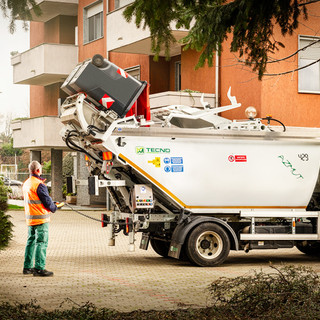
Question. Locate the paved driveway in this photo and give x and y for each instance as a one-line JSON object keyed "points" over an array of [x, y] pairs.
{"points": [[86, 269]]}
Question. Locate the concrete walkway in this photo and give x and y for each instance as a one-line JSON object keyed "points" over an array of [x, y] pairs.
{"points": [[86, 269]]}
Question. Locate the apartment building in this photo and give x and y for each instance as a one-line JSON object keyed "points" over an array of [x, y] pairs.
{"points": [[288, 94], [71, 31]]}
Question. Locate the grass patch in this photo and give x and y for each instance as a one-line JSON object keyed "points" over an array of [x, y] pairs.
{"points": [[14, 207], [285, 293]]}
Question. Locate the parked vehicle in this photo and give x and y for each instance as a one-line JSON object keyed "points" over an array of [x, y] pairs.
{"points": [[10, 182]]}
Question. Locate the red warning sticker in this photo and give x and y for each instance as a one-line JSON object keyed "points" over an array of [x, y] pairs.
{"points": [[237, 158], [106, 101], [122, 73], [240, 158]]}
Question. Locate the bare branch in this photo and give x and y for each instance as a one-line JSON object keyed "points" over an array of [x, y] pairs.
{"points": [[309, 2], [280, 273], [291, 55], [281, 73]]}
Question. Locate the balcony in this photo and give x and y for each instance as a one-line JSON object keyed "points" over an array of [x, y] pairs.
{"points": [[45, 137], [45, 64], [125, 37], [53, 8]]}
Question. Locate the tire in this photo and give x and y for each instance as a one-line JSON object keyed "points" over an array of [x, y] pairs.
{"points": [[160, 247], [311, 248], [208, 245]]}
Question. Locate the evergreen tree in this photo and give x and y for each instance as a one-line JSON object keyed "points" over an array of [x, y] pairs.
{"points": [[5, 223], [250, 23], [7, 149], [14, 9]]}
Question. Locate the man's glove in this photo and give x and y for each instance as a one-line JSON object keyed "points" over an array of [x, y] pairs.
{"points": [[59, 204]]}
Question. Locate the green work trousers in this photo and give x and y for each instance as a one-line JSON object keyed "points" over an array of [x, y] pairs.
{"points": [[36, 248]]}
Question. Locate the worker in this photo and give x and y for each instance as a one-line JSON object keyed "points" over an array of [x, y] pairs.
{"points": [[37, 205]]}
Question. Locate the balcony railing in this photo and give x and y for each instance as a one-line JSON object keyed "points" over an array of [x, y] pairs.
{"points": [[45, 64], [38, 133], [126, 37], [53, 8]]}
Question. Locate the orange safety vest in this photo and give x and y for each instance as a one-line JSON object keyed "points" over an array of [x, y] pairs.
{"points": [[35, 211]]}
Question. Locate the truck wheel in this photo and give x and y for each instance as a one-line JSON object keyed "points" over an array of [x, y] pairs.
{"points": [[311, 248], [160, 247], [208, 245]]}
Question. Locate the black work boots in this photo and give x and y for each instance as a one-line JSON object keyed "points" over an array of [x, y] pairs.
{"points": [[28, 271], [37, 273], [42, 273]]}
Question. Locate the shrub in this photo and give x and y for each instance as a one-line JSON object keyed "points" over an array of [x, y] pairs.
{"points": [[289, 293], [46, 166], [67, 167], [5, 223], [7, 149]]}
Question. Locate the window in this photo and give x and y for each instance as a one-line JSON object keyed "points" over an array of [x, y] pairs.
{"points": [[309, 77], [76, 36], [134, 72], [177, 76], [93, 22]]}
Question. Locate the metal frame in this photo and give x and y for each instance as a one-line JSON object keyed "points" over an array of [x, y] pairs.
{"points": [[112, 183], [279, 236], [290, 214]]}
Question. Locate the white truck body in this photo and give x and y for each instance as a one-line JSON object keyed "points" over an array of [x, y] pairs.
{"points": [[205, 170]]}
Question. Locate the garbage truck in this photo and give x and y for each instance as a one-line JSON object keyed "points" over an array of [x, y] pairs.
{"points": [[194, 183]]}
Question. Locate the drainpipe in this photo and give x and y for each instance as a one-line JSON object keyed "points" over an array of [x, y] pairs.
{"points": [[217, 79]]}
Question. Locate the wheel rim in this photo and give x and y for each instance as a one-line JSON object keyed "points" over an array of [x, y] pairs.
{"points": [[209, 245]]}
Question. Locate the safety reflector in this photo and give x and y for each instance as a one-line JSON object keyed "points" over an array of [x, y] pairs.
{"points": [[106, 101], [107, 155], [122, 73], [127, 225], [104, 220], [86, 158]]}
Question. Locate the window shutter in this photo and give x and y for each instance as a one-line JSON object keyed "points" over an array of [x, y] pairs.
{"points": [[95, 9]]}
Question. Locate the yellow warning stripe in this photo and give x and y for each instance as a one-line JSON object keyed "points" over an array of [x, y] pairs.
{"points": [[244, 207], [163, 188]]}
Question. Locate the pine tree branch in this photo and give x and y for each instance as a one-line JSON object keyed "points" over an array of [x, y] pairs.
{"points": [[19, 10], [249, 23]]}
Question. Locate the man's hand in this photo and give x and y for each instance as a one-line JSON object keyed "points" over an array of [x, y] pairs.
{"points": [[59, 204]]}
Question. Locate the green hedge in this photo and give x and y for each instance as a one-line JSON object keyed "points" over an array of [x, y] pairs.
{"points": [[5, 223]]}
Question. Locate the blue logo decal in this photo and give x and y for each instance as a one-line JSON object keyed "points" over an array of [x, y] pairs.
{"points": [[176, 160], [177, 168]]}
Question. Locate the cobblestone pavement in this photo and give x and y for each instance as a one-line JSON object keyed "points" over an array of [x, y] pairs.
{"points": [[86, 269]]}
